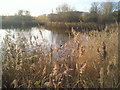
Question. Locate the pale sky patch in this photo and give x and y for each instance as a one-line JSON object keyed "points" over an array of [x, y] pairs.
{"points": [[39, 7]]}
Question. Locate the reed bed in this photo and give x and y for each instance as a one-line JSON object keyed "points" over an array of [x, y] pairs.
{"points": [[79, 26], [90, 65]]}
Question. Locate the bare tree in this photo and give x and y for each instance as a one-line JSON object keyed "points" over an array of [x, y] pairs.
{"points": [[63, 8], [94, 7], [20, 12], [107, 8], [23, 12], [27, 13]]}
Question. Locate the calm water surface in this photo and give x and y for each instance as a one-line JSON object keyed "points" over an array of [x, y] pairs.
{"points": [[50, 37], [58, 37]]}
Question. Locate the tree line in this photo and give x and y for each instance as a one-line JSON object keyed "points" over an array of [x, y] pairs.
{"points": [[104, 12], [22, 18]]}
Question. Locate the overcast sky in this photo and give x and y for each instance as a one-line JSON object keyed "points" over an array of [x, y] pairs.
{"points": [[39, 7]]}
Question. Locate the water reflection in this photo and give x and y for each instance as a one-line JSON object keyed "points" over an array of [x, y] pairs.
{"points": [[2, 34], [44, 36], [51, 37]]}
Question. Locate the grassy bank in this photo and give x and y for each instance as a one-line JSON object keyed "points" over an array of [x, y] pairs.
{"points": [[93, 65]]}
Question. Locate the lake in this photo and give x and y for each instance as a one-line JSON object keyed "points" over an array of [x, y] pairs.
{"points": [[44, 36], [54, 37]]}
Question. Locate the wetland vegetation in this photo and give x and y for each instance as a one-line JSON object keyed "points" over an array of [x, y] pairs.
{"points": [[69, 49]]}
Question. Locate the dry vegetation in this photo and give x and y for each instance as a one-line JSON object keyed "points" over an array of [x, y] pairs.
{"points": [[81, 26], [93, 65]]}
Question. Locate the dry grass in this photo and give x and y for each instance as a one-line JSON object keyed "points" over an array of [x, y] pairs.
{"points": [[90, 65], [81, 26]]}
